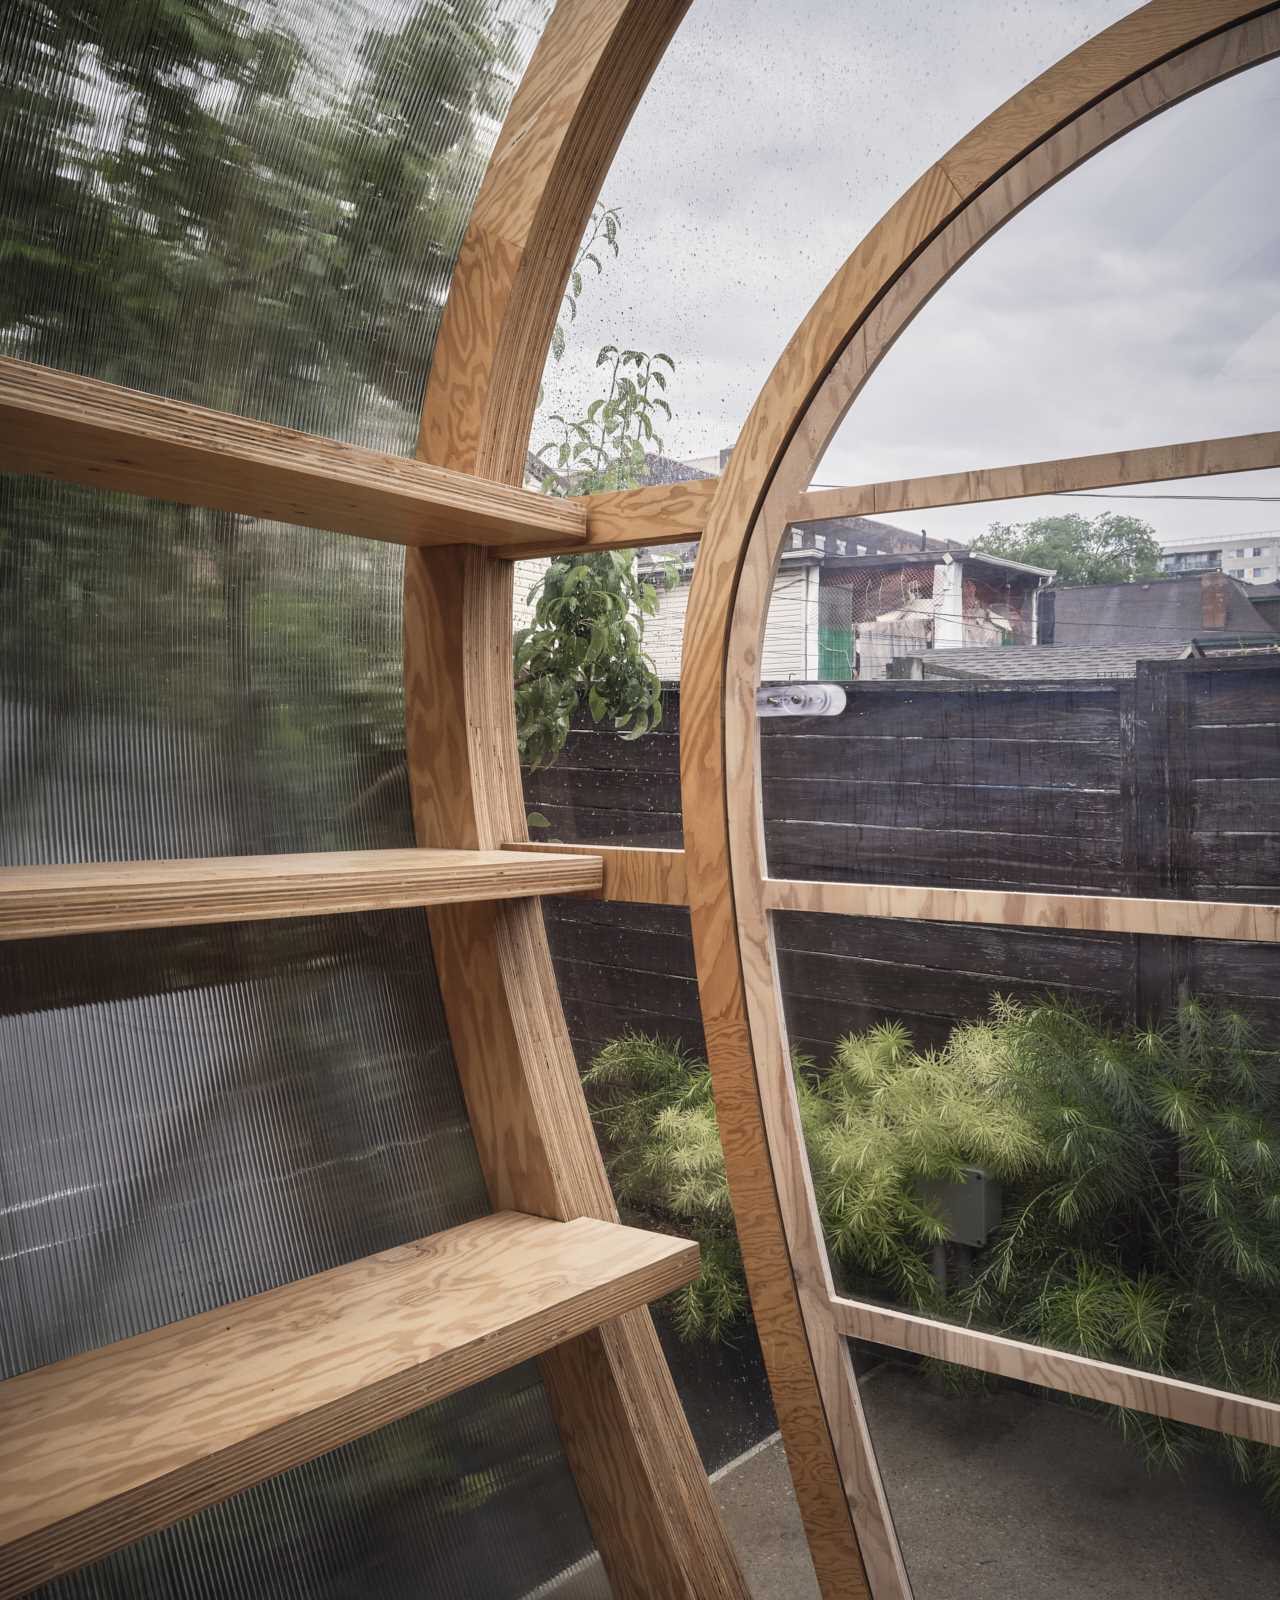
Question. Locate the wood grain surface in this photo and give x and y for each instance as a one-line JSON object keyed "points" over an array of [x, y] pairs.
{"points": [[620, 519], [1161, 1396], [625, 1434], [59, 425], [638, 877], [1151, 59], [100, 1449], [1178, 919], [37, 902], [1203, 458]]}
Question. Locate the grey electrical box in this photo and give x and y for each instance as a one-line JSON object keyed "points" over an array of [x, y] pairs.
{"points": [[970, 1208]]}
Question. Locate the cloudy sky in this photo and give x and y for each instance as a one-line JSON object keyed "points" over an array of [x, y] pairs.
{"points": [[1137, 303]]}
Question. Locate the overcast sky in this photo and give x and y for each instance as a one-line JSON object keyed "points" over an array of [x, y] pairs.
{"points": [[1137, 303]]}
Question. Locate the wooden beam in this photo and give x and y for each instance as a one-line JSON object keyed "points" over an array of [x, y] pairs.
{"points": [[1174, 1398], [1205, 458], [623, 519], [1151, 59], [38, 902], [108, 1446], [1099, 913], [632, 876], [625, 1435], [59, 425]]}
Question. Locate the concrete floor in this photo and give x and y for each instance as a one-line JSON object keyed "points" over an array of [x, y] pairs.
{"points": [[1011, 1497]]}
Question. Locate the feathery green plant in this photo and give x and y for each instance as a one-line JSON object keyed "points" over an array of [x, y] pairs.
{"points": [[1140, 1171]]}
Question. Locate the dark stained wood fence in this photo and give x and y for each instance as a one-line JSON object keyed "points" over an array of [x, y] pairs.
{"points": [[1167, 784]]}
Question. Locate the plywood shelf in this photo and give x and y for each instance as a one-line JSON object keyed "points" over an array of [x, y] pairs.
{"points": [[98, 897], [81, 430], [101, 1449]]}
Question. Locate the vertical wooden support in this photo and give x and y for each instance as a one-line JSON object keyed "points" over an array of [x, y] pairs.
{"points": [[625, 1434], [1158, 55]]}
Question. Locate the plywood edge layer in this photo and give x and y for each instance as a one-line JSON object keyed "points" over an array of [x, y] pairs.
{"points": [[630, 874], [1180, 919], [624, 519], [1203, 458], [105, 1447], [81, 430], [1152, 1392], [43, 902]]}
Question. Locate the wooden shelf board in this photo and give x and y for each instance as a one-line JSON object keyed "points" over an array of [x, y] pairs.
{"points": [[60, 425], [98, 897], [103, 1448]]}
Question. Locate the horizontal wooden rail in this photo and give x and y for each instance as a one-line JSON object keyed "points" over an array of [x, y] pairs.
{"points": [[100, 896], [1204, 458], [101, 1449], [1101, 913], [632, 875], [1152, 1392], [622, 519], [59, 425]]}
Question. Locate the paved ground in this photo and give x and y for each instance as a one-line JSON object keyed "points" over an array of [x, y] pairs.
{"points": [[1007, 1497]]}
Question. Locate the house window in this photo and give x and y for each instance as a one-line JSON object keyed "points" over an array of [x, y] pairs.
{"points": [[1237, 572], [1257, 549], [1257, 571]]}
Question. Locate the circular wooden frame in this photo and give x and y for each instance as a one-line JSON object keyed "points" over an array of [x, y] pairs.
{"points": [[1148, 62], [625, 1435]]}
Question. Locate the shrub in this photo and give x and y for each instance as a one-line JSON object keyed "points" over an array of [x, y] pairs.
{"points": [[1140, 1171]]}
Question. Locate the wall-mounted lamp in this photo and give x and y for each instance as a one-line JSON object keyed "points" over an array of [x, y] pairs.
{"points": [[800, 700]]}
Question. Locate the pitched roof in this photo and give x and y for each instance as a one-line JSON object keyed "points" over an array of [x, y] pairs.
{"points": [[1048, 660], [1163, 611]]}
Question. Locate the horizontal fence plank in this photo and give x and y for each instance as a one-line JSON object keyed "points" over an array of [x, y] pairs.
{"points": [[988, 808], [1034, 709], [1227, 751], [959, 762], [941, 856], [59, 425], [107, 1446]]}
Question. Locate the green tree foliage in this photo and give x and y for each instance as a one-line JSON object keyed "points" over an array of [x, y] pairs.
{"points": [[1140, 1172], [1108, 548], [585, 645], [197, 202]]}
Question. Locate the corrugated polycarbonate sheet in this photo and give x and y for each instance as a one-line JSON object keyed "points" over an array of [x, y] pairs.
{"points": [[257, 208]]}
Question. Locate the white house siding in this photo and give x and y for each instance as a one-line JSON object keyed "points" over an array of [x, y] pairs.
{"points": [[664, 631], [526, 575], [791, 637]]}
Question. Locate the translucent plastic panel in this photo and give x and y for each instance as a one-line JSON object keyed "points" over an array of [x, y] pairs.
{"points": [[1013, 1494], [772, 137], [1136, 303], [180, 682], [254, 208], [1135, 772], [191, 1116], [1067, 1138], [465, 1499]]}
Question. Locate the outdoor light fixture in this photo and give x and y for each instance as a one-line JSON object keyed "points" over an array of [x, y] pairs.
{"points": [[800, 700]]}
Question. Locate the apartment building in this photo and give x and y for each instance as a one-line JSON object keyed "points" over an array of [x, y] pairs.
{"points": [[1254, 558]]}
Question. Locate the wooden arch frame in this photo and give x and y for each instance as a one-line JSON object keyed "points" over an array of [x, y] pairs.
{"points": [[101, 1449], [1159, 55]]}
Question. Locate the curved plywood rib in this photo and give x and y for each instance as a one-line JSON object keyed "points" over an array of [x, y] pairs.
{"points": [[637, 1470], [1155, 57]]}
